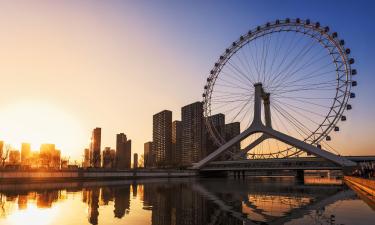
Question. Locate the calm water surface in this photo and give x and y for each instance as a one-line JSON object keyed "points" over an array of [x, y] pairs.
{"points": [[182, 201]]}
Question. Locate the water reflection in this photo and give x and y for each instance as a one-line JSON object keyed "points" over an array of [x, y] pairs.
{"points": [[182, 202]]}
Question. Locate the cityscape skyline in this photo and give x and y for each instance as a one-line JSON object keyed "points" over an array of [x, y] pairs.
{"points": [[123, 67]]}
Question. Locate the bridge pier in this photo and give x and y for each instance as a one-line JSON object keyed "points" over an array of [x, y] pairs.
{"points": [[300, 176]]}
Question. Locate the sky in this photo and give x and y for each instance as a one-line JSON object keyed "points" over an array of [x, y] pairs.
{"points": [[67, 67]]}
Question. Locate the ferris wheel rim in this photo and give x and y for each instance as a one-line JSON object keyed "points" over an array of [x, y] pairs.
{"points": [[269, 28]]}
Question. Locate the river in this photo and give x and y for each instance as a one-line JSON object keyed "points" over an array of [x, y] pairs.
{"points": [[194, 201]]}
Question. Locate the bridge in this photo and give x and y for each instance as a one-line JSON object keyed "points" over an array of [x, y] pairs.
{"points": [[302, 163]]}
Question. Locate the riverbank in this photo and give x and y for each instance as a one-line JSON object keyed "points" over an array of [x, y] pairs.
{"points": [[73, 175], [365, 185]]}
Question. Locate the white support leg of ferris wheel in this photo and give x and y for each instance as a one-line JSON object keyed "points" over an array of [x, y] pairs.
{"points": [[257, 126]]}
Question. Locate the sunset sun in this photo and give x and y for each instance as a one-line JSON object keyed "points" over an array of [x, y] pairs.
{"points": [[37, 122]]}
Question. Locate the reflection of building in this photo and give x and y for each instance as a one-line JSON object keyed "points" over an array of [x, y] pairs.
{"points": [[192, 133], [25, 153], [109, 157], [162, 137], [123, 151], [22, 202], [95, 158], [106, 195], [93, 204], [46, 198], [122, 200], [176, 142], [148, 155], [14, 157]]}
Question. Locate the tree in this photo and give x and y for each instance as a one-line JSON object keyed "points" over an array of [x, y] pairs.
{"points": [[5, 154]]}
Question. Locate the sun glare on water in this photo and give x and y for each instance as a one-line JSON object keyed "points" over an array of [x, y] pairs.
{"points": [[40, 122]]}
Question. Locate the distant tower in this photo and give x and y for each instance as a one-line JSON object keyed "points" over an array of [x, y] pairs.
{"points": [[176, 142], [135, 166], [25, 153], [162, 137], [193, 138], [95, 158], [148, 155], [86, 160], [123, 152]]}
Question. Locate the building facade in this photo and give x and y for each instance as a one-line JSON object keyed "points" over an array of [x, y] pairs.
{"points": [[135, 161], [25, 153], [193, 135], [108, 158], [231, 131], [95, 159], [218, 123], [162, 137], [123, 152], [148, 155], [176, 143]]}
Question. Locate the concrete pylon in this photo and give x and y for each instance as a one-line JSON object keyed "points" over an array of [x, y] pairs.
{"points": [[257, 126]]}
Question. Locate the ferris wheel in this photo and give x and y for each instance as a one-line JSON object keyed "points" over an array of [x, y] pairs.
{"points": [[302, 66]]}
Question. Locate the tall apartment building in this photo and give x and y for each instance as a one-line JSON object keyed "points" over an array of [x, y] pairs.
{"points": [[95, 159], [123, 152], [231, 131], [108, 157], [148, 155], [218, 123], [162, 137], [193, 134], [86, 158], [176, 143], [135, 161]]}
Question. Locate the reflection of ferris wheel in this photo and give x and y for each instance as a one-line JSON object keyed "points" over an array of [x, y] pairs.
{"points": [[303, 67]]}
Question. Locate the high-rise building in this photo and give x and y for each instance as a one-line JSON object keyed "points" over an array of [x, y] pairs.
{"points": [[218, 123], [86, 158], [108, 157], [162, 137], [123, 152], [231, 131], [14, 157], [135, 164], [176, 143], [25, 153], [95, 158], [46, 154], [193, 135], [148, 155]]}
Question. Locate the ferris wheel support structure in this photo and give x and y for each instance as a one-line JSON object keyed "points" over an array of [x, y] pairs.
{"points": [[257, 126]]}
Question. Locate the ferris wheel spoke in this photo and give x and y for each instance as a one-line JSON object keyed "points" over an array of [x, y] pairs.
{"points": [[246, 68], [287, 53], [297, 58], [295, 119], [239, 72], [300, 108], [305, 66], [277, 49], [297, 129], [247, 88], [309, 77], [300, 129], [247, 60]]}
